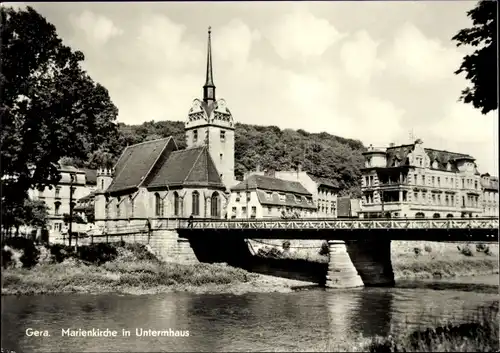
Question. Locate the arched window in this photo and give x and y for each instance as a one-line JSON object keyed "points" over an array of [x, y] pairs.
{"points": [[177, 204], [436, 215], [131, 205], [215, 206], [196, 203], [419, 215], [158, 205], [57, 205], [118, 210]]}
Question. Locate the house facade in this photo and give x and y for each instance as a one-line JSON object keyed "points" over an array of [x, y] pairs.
{"points": [[489, 185], [324, 191], [415, 182], [261, 196], [59, 197], [155, 180]]}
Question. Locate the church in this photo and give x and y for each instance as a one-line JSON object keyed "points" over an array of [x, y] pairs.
{"points": [[155, 180]]}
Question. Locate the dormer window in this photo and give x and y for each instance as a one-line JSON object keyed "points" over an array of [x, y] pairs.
{"points": [[269, 195], [297, 199], [282, 197]]}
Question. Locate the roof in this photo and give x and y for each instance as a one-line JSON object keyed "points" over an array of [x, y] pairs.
{"points": [[136, 162], [86, 202], [90, 176], [69, 168], [324, 181], [490, 183], [400, 154], [193, 166], [273, 184], [290, 200]]}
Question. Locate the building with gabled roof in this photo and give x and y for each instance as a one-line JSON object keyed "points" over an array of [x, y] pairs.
{"points": [[324, 191], [413, 181], [262, 196], [155, 180]]}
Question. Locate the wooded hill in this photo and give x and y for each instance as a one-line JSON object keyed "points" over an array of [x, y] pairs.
{"points": [[322, 154]]}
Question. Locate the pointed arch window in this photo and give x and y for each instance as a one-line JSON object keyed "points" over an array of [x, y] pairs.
{"points": [[118, 210], [196, 203], [158, 205], [177, 204], [131, 204], [215, 205]]}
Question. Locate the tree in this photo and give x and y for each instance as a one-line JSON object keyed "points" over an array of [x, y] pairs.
{"points": [[50, 107], [480, 67]]}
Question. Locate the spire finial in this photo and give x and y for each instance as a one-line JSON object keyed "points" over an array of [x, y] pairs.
{"points": [[209, 87]]}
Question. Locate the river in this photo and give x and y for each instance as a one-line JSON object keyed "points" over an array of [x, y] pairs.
{"points": [[299, 321]]}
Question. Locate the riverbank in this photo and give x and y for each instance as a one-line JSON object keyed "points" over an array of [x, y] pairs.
{"points": [[131, 269], [411, 260]]}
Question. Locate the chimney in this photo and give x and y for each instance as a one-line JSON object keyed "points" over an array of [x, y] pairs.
{"points": [[391, 144], [299, 168]]}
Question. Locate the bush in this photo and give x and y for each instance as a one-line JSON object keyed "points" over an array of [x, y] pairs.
{"points": [[27, 246], [465, 250], [140, 251], [286, 245], [325, 249], [273, 252], [61, 252], [97, 253], [483, 248], [428, 248]]}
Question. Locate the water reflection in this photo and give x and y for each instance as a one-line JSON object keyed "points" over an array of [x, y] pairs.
{"points": [[307, 320]]}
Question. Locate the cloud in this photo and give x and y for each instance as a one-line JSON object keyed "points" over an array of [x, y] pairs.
{"points": [[233, 42], [359, 57], [299, 34], [421, 59], [162, 41], [98, 28]]}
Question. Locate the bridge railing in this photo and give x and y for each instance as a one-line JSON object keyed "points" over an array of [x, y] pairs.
{"points": [[418, 223]]}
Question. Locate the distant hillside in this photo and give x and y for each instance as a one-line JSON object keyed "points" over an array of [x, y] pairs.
{"points": [[323, 154]]}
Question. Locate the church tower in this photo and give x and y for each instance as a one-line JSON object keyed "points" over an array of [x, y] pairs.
{"points": [[211, 124]]}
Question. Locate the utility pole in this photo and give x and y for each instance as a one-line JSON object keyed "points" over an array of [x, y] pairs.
{"points": [[72, 176]]}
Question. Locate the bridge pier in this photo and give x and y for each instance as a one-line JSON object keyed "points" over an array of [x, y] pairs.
{"points": [[341, 271], [372, 259]]}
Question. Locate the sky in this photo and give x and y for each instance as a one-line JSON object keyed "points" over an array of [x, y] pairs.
{"points": [[380, 72]]}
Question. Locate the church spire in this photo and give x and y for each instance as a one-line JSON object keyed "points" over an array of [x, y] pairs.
{"points": [[209, 87]]}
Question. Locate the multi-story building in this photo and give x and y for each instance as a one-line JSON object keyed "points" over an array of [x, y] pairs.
{"points": [[58, 197], [413, 181], [489, 185], [324, 191], [262, 196]]}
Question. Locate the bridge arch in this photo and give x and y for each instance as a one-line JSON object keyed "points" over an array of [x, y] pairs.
{"points": [[436, 215], [449, 215], [419, 215]]}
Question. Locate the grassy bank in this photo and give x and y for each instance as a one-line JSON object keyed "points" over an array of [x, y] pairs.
{"points": [[410, 259], [125, 268]]}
